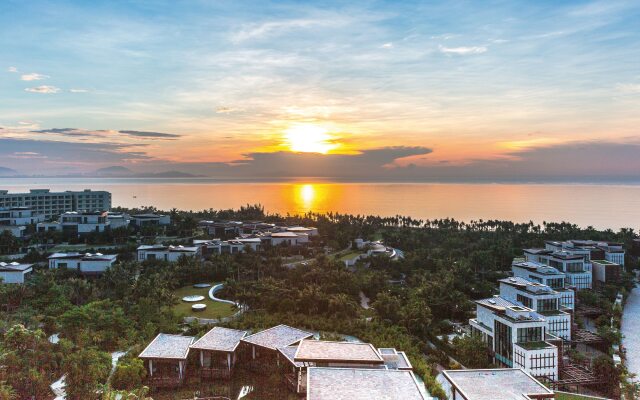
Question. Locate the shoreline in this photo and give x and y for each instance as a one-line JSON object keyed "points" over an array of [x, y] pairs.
{"points": [[630, 326]]}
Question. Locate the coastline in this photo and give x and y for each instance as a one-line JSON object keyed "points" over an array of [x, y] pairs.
{"points": [[630, 328]]}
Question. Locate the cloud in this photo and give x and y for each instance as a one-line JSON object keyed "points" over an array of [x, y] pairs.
{"points": [[33, 77], [252, 31], [78, 90], [154, 135], [628, 88], [226, 110], [67, 131], [12, 69], [43, 89], [387, 45], [27, 155], [463, 50]]}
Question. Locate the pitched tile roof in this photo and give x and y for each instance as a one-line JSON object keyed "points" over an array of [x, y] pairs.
{"points": [[168, 346], [278, 336], [219, 339]]}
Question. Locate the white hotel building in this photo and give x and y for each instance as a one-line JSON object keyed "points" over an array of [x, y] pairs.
{"points": [[167, 253], [52, 204], [541, 298], [577, 272], [78, 223], [545, 275], [516, 336], [89, 264]]}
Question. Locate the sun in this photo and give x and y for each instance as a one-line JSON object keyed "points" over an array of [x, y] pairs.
{"points": [[308, 138]]}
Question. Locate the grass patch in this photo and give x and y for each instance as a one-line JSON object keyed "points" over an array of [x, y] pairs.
{"points": [[534, 345], [215, 309], [573, 396], [348, 255]]}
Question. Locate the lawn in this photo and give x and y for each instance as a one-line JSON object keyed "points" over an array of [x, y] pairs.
{"points": [[214, 309], [567, 396]]}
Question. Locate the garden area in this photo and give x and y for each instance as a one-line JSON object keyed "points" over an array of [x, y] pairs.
{"points": [[214, 310]]}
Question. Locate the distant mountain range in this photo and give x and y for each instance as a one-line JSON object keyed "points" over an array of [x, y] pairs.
{"points": [[4, 171], [123, 172]]}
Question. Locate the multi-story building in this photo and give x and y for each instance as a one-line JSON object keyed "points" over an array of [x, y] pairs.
{"points": [[516, 336], [78, 223], [166, 253], [89, 264], [540, 298], [572, 265], [606, 272], [590, 250], [118, 220], [15, 220], [233, 246], [545, 275], [51, 204]]}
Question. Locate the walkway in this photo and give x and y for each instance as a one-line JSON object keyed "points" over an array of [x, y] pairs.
{"points": [[630, 329]]}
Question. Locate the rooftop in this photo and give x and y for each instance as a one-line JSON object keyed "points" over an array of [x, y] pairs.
{"points": [[528, 286], [495, 384], [538, 268], [168, 346], [604, 262], [84, 256], [361, 384], [278, 336], [14, 266], [324, 351], [289, 353], [219, 339]]}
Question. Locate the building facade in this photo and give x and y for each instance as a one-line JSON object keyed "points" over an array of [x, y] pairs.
{"points": [[15, 220], [52, 204], [90, 264]]}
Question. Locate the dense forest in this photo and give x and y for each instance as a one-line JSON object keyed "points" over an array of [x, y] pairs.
{"points": [[413, 300]]}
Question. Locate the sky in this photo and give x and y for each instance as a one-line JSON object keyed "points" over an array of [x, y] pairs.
{"points": [[363, 90]]}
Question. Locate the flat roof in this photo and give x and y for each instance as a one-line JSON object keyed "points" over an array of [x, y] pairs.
{"points": [[168, 346], [495, 384], [278, 336], [14, 267], [348, 352], [219, 339], [361, 384]]}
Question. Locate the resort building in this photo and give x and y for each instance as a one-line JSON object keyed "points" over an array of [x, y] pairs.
{"points": [[309, 231], [118, 220], [262, 348], [362, 384], [545, 275], [52, 204], [78, 223], [141, 220], [15, 220], [590, 250], [516, 337], [233, 246], [89, 264], [217, 352], [493, 384], [286, 238], [577, 273], [166, 253], [223, 229], [295, 373], [605, 272], [540, 298], [166, 359], [15, 272]]}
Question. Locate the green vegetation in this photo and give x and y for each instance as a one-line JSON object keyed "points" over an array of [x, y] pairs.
{"points": [[447, 264], [214, 310], [572, 396], [533, 345]]}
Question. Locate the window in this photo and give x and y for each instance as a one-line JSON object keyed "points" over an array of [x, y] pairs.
{"points": [[548, 305], [524, 300], [526, 335], [504, 347]]}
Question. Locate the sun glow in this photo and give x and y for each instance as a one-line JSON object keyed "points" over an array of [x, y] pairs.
{"points": [[307, 138]]}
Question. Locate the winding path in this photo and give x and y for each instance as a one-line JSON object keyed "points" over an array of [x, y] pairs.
{"points": [[217, 288]]}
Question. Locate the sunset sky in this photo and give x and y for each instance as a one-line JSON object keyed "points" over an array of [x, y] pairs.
{"points": [[359, 90]]}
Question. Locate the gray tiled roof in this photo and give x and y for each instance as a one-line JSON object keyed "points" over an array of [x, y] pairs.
{"points": [[219, 339], [324, 351], [289, 353], [168, 346], [495, 384], [361, 384], [278, 336]]}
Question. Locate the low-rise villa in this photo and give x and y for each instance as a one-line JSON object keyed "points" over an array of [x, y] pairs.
{"points": [[166, 253], [217, 352], [262, 347], [15, 220], [545, 275], [150, 219], [494, 384], [319, 353], [166, 359], [15, 272], [325, 383], [87, 263]]}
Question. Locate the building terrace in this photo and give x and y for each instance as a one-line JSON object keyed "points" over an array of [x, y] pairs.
{"points": [[495, 384], [362, 384]]}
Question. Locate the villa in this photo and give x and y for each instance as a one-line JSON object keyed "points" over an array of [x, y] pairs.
{"points": [[15, 272], [78, 223], [493, 384], [233, 246], [605, 272], [577, 273], [89, 264], [166, 253], [517, 337], [118, 220], [217, 350], [362, 384], [262, 347], [15, 219], [166, 359], [141, 220]]}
